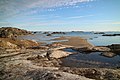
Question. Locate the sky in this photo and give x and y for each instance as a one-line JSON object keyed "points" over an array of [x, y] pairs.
{"points": [[61, 15]]}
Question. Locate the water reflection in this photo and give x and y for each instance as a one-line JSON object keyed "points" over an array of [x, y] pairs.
{"points": [[94, 59]]}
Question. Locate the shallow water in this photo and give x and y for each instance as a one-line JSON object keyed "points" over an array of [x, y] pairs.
{"points": [[94, 59], [98, 39], [40, 38], [95, 39]]}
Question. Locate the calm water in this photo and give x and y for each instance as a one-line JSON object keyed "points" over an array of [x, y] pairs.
{"points": [[96, 39], [93, 59]]}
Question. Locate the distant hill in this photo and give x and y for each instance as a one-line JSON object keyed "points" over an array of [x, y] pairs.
{"points": [[9, 32]]}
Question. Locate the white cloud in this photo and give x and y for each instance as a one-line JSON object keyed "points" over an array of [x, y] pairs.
{"points": [[77, 17], [116, 23], [2, 24], [51, 10], [10, 8], [54, 3]]}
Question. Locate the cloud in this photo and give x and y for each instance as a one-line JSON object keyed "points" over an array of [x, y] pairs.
{"points": [[77, 17], [9, 8], [116, 23], [51, 10], [2, 24]]}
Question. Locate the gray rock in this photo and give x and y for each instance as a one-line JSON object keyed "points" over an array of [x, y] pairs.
{"points": [[108, 54]]}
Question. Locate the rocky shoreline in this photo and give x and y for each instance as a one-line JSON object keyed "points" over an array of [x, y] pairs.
{"points": [[27, 60]]}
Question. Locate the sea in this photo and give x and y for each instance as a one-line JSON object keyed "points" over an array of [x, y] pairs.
{"points": [[93, 59]]}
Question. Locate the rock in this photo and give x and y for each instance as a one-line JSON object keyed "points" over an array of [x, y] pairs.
{"points": [[8, 38], [54, 45], [111, 76], [34, 32], [46, 33], [51, 75], [49, 35], [99, 33], [108, 54], [10, 43], [27, 43], [59, 54], [58, 33], [111, 35], [84, 49], [78, 31], [95, 73], [92, 49], [6, 44], [115, 48], [101, 49], [92, 73], [9, 32], [38, 47]]}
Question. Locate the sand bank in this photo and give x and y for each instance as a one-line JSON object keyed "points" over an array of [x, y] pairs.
{"points": [[75, 42]]}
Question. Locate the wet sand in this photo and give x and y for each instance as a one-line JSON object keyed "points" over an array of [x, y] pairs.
{"points": [[75, 42]]}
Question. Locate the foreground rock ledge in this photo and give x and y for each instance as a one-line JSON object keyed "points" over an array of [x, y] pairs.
{"points": [[26, 65]]}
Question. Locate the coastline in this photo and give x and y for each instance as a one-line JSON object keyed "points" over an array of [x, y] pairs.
{"points": [[32, 61]]}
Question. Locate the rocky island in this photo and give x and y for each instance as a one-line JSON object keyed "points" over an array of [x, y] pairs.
{"points": [[29, 60]]}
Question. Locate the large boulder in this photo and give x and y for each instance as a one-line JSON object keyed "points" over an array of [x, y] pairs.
{"points": [[59, 54]]}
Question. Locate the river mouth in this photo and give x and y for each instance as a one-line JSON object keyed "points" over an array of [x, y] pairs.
{"points": [[90, 60]]}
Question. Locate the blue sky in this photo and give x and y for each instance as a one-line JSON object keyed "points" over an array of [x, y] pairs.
{"points": [[61, 15]]}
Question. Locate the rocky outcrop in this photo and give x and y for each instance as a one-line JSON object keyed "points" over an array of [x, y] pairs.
{"points": [[58, 33], [92, 49], [101, 49], [6, 44], [49, 35], [9, 32], [46, 33], [52, 75], [26, 65], [8, 40], [111, 35], [108, 54], [95, 73], [13, 44], [99, 33], [115, 48]]}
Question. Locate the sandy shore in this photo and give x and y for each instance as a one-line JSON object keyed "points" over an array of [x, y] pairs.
{"points": [[75, 42]]}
